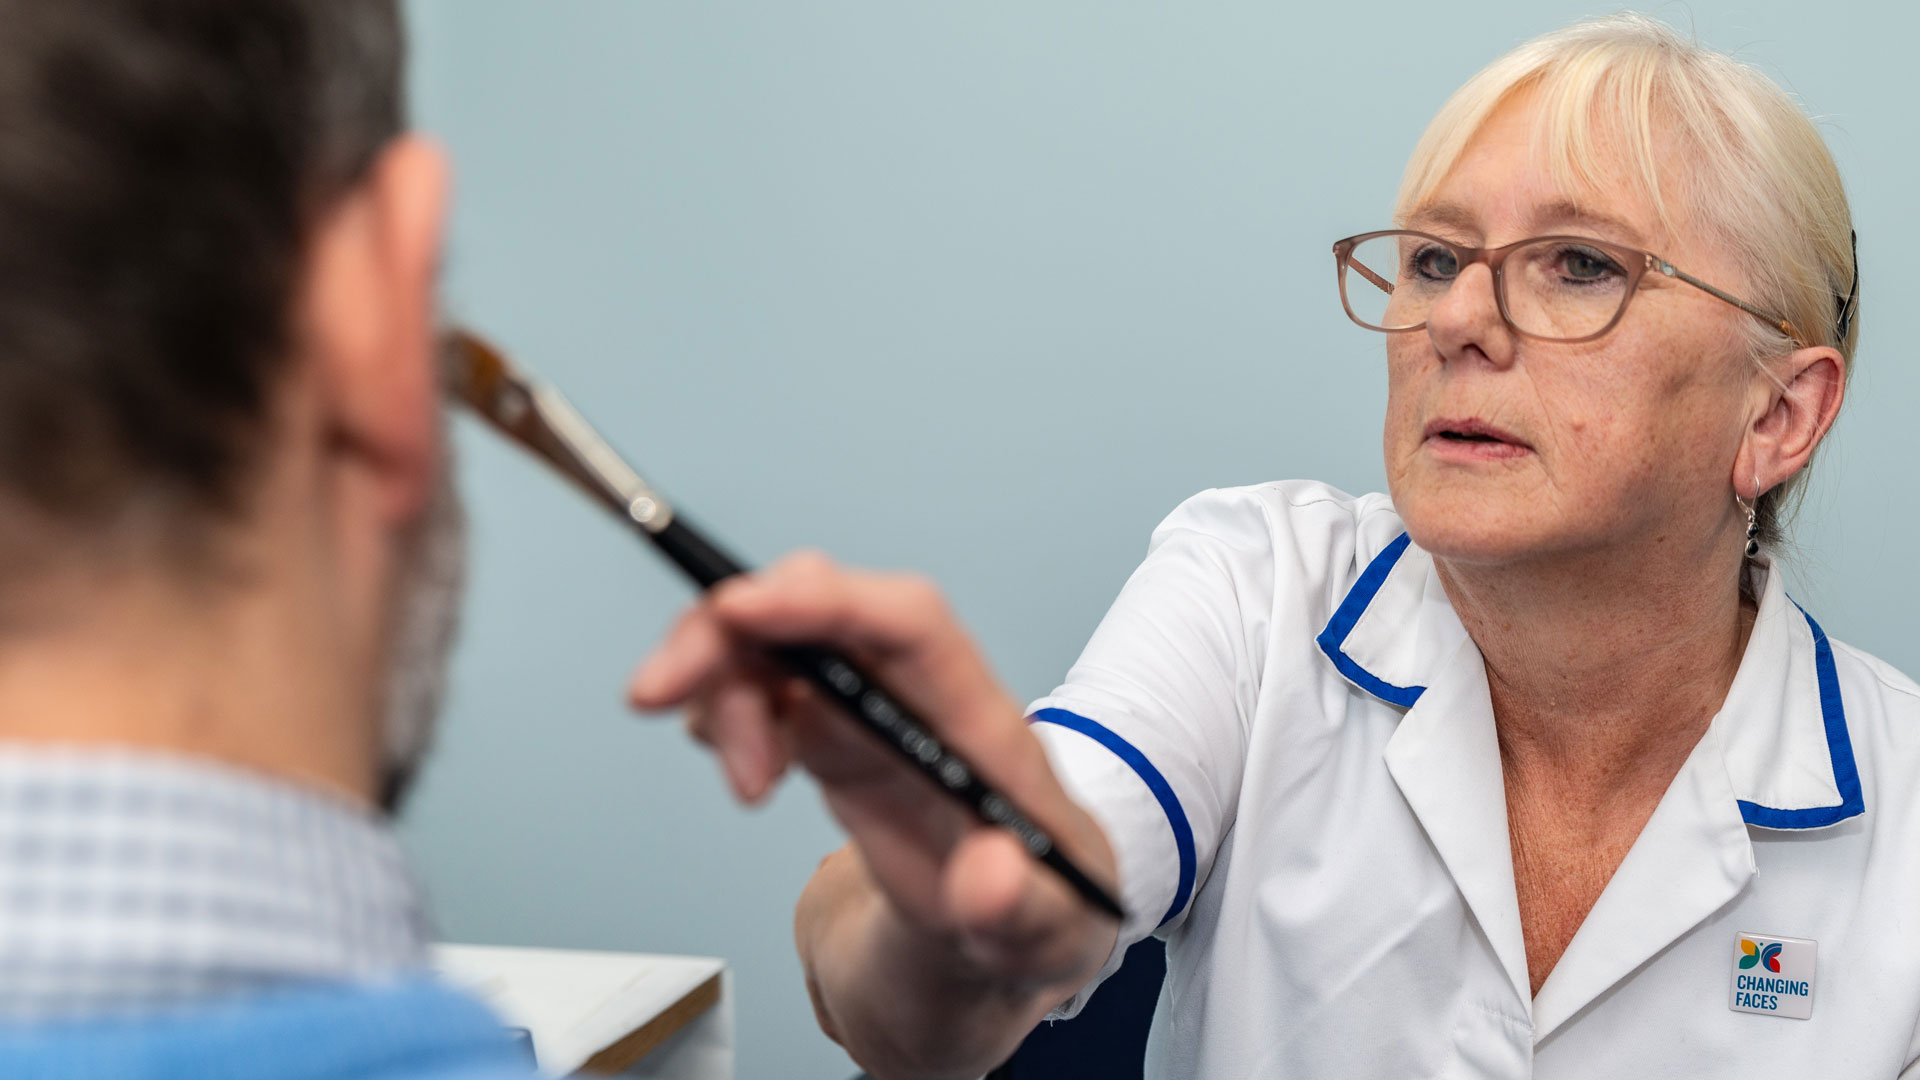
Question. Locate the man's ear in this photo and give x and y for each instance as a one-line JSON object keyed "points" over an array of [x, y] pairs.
{"points": [[367, 321], [1796, 399]]}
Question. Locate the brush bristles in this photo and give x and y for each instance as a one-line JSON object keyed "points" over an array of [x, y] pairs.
{"points": [[475, 370]]}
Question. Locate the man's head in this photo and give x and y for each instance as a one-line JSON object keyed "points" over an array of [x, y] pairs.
{"points": [[218, 402]]}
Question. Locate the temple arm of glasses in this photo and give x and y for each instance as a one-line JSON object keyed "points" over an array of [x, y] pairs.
{"points": [[1385, 285], [1657, 263]]}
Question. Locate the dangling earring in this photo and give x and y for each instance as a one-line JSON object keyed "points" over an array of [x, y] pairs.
{"points": [[1753, 525]]}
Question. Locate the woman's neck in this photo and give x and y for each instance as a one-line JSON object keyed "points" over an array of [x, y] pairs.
{"points": [[1605, 670]]}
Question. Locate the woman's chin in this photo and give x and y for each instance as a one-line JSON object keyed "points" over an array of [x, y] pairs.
{"points": [[1471, 527]]}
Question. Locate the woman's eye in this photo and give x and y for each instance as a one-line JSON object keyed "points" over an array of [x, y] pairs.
{"points": [[1583, 264], [1435, 262]]}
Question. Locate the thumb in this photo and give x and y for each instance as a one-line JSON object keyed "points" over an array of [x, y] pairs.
{"points": [[1010, 916]]}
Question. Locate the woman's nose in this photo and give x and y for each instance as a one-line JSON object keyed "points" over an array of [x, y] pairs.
{"points": [[1467, 318]]}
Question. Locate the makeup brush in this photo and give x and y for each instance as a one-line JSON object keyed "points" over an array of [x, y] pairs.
{"points": [[536, 416]]}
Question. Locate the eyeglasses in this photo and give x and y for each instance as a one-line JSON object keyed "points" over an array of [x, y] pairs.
{"points": [[1550, 288]]}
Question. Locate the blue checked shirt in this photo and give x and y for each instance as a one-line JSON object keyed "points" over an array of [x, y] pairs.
{"points": [[132, 881]]}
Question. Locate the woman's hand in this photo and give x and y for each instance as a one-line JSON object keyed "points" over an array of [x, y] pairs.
{"points": [[970, 893]]}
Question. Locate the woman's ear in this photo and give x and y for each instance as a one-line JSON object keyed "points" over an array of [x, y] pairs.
{"points": [[368, 324], [1797, 397]]}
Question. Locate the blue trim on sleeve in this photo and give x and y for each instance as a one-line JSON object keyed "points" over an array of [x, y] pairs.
{"points": [[1156, 783], [1334, 636], [1846, 775]]}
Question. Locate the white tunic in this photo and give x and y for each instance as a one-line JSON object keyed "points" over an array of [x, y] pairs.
{"points": [[1286, 733]]}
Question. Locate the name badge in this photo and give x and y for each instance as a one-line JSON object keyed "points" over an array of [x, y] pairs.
{"points": [[1773, 975]]}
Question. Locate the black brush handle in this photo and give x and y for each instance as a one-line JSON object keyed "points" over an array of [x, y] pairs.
{"points": [[864, 699], [703, 560]]}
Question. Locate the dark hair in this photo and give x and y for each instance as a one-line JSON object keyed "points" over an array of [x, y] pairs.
{"points": [[160, 161]]}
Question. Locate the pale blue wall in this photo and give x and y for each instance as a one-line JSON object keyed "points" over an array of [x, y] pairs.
{"points": [[978, 288]]}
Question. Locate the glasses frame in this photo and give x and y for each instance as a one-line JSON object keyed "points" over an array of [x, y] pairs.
{"points": [[1636, 262]]}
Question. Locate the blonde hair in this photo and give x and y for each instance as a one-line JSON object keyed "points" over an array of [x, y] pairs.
{"points": [[1757, 177]]}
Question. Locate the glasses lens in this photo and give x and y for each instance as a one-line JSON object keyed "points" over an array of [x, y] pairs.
{"points": [[1563, 289], [1392, 281]]}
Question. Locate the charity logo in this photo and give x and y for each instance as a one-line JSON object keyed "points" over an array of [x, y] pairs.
{"points": [[1773, 975], [1763, 954]]}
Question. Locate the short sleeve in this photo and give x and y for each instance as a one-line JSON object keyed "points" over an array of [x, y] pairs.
{"points": [[1149, 731]]}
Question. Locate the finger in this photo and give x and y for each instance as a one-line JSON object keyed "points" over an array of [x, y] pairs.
{"points": [[901, 619], [736, 718], [834, 747], [807, 597], [841, 752], [690, 655]]}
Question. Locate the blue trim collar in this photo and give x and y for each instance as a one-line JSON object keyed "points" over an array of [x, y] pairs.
{"points": [[1333, 639], [1846, 775]]}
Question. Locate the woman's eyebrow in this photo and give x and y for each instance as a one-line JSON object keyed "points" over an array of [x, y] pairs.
{"points": [[1563, 214], [1446, 216], [1559, 215]]}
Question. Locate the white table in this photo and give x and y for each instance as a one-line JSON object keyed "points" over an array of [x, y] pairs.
{"points": [[604, 1013]]}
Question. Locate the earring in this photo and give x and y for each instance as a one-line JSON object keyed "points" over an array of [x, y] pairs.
{"points": [[1753, 526]]}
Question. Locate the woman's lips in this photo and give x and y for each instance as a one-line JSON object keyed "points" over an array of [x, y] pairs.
{"points": [[1469, 440]]}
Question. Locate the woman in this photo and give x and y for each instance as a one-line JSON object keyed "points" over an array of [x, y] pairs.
{"points": [[1531, 769]]}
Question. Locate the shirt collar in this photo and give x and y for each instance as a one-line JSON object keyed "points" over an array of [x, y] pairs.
{"points": [[1782, 729], [134, 881]]}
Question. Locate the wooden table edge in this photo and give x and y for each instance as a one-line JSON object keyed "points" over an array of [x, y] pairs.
{"points": [[644, 1039]]}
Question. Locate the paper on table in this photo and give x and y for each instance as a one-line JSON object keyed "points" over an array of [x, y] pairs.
{"points": [[575, 1003]]}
